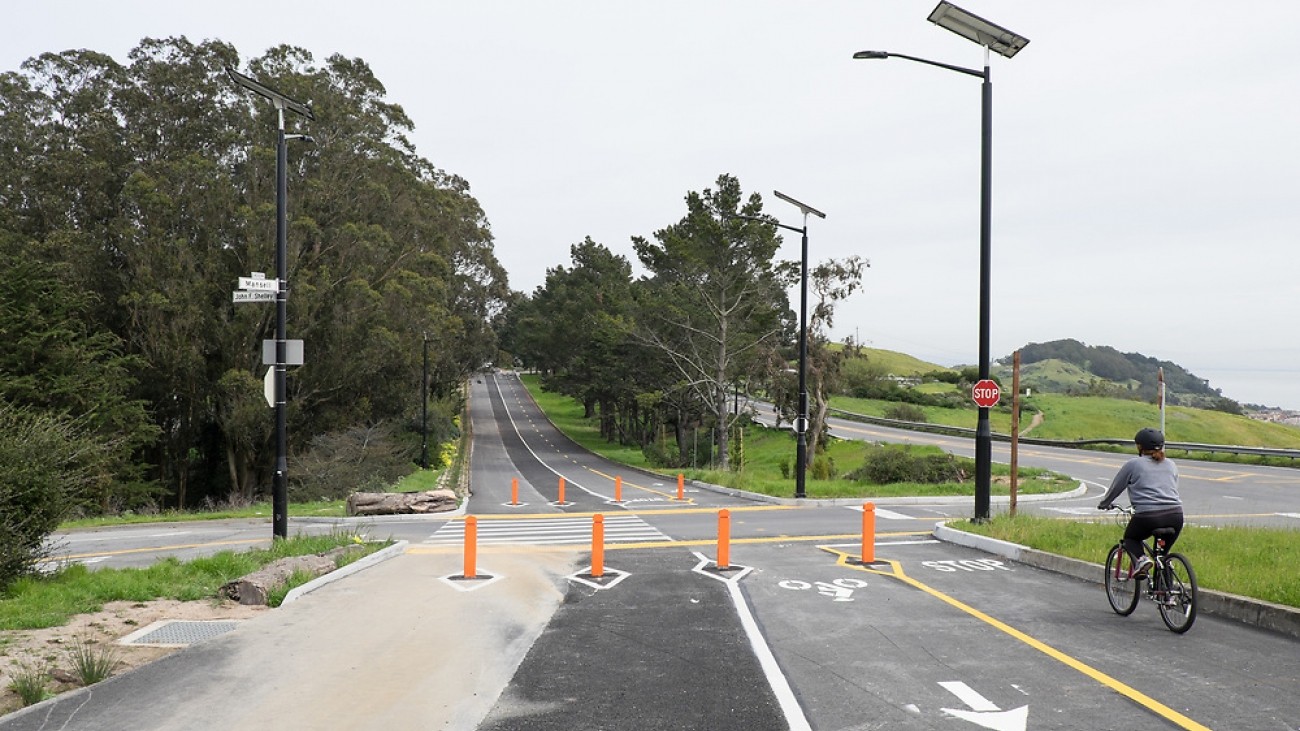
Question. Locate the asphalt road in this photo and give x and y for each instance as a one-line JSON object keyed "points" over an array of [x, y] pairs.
{"points": [[796, 633]]}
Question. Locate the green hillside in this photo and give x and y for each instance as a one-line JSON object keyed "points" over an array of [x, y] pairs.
{"points": [[893, 363], [1064, 400]]}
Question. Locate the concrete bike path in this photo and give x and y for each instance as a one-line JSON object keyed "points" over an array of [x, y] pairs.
{"points": [[391, 647]]}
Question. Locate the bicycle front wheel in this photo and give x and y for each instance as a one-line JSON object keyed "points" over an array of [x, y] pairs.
{"points": [[1121, 587], [1178, 604]]}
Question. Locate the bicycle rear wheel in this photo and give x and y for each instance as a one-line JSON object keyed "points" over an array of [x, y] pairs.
{"points": [[1121, 587], [1178, 605]]}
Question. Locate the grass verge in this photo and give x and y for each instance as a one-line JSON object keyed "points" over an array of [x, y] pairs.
{"points": [[1251, 562], [50, 600]]}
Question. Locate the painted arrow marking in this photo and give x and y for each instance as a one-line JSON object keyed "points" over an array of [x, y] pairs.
{"points": [[983, 712]]}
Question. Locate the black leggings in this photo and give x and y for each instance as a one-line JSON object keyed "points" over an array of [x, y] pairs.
{"points": [[1143, 525]]}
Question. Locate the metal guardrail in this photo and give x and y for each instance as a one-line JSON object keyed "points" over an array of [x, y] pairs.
{"points": [[959, 431]]}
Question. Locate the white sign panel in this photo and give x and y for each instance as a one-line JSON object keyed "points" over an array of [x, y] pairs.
{"points": [[253, 296], [292, 352], [268, 387], [259, 285]]}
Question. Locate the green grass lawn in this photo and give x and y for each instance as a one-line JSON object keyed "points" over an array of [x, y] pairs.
{"points": [[1252, 562]]}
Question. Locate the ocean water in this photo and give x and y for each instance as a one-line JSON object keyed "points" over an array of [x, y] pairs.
{"points": [[1266, 387]]}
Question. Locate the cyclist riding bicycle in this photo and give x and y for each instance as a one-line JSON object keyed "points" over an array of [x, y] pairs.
{"points": [[1152, 484]]}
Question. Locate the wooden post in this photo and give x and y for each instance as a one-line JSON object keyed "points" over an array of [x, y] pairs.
{"points": [[724, 539], [471, 546], [597, 546], [868, 533], [1015, 429]]}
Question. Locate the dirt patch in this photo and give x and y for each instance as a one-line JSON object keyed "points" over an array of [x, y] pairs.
{"points": [[51, 649]]}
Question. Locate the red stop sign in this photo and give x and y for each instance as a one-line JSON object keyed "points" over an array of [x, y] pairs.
{"points": [[986, 393]]}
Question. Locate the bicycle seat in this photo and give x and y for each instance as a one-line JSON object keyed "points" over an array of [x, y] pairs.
{"points": [[1163, 536]]}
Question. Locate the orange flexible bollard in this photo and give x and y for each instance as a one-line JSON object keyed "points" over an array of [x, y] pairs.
{"points": [[514, 490], [597, 545], [868, 533], [561, 499], [724, 539], [471, 546], [618, 489], [681, 486]]}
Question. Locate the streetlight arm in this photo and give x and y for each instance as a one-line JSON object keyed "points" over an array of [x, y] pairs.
{"points": [[926, 61], [764, 220]]}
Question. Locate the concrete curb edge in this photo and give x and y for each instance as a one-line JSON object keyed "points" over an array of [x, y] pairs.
{"points": [[1267, 615], [360, 564]]}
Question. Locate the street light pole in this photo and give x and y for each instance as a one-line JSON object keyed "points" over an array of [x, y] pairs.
{"points": [[280, 481], [801, 424], [990, 36], [983, 430], [424, 408]]}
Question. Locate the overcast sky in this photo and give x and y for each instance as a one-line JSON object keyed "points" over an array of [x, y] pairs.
{"points": [[1146, 155]]}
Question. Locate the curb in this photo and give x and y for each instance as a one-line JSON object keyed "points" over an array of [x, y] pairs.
{"points": [[1266, 615], [361, 564]]}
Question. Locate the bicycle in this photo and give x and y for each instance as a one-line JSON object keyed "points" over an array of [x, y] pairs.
{"points": [[1170, 581]]}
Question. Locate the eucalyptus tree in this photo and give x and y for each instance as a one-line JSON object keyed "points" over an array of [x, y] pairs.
{"points": [[713, 299], [154, 184]]}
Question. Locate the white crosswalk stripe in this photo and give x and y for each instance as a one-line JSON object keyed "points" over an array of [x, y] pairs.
{"points": [[547, 531]]}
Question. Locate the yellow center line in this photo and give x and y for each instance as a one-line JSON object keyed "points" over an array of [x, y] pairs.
{"points": [[634, 486], [896, 571]]}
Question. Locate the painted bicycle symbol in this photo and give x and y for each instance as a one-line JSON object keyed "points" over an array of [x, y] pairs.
{"points": [[840, 590]]}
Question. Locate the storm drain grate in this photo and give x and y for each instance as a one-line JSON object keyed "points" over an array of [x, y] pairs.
{"points": [[175, 632]]}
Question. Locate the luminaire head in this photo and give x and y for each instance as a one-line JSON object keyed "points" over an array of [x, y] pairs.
{"points": [[972, 26], [803, 207], [279, 100]]}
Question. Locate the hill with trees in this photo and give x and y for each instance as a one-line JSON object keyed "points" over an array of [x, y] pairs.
{"points": [[1074, 368]]}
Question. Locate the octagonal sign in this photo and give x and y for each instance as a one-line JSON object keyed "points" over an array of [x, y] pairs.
{"points": [[986, 393]]}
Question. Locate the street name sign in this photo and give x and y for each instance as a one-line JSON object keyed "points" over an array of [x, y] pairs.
{"points": [[254, 296]]}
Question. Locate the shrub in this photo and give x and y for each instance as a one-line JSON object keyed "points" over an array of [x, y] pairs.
{"points": [[886, 464], [823, 468], [906, 412], [361, 459], [47, 466]]}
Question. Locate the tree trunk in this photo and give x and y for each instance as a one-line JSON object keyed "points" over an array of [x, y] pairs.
{"points": [[395, 503]]}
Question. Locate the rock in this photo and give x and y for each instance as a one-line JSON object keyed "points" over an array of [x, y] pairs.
{"points": [[400, 503]]}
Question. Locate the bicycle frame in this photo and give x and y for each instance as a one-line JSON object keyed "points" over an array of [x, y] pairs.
{"points": [[1170, 582]]}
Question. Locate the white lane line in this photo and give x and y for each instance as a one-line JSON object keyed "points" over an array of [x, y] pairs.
{"points": [[794, 715], [540, 461], [886, 514]]}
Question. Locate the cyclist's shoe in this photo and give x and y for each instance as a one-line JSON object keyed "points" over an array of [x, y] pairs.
{"points": [[1141, 568]]}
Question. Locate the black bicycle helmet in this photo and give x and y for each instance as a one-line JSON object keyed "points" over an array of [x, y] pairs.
{"points": [[1148, 439]]}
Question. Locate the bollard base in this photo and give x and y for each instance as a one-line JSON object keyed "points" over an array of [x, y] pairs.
{"points": [[608, 580], [476, 577]]}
